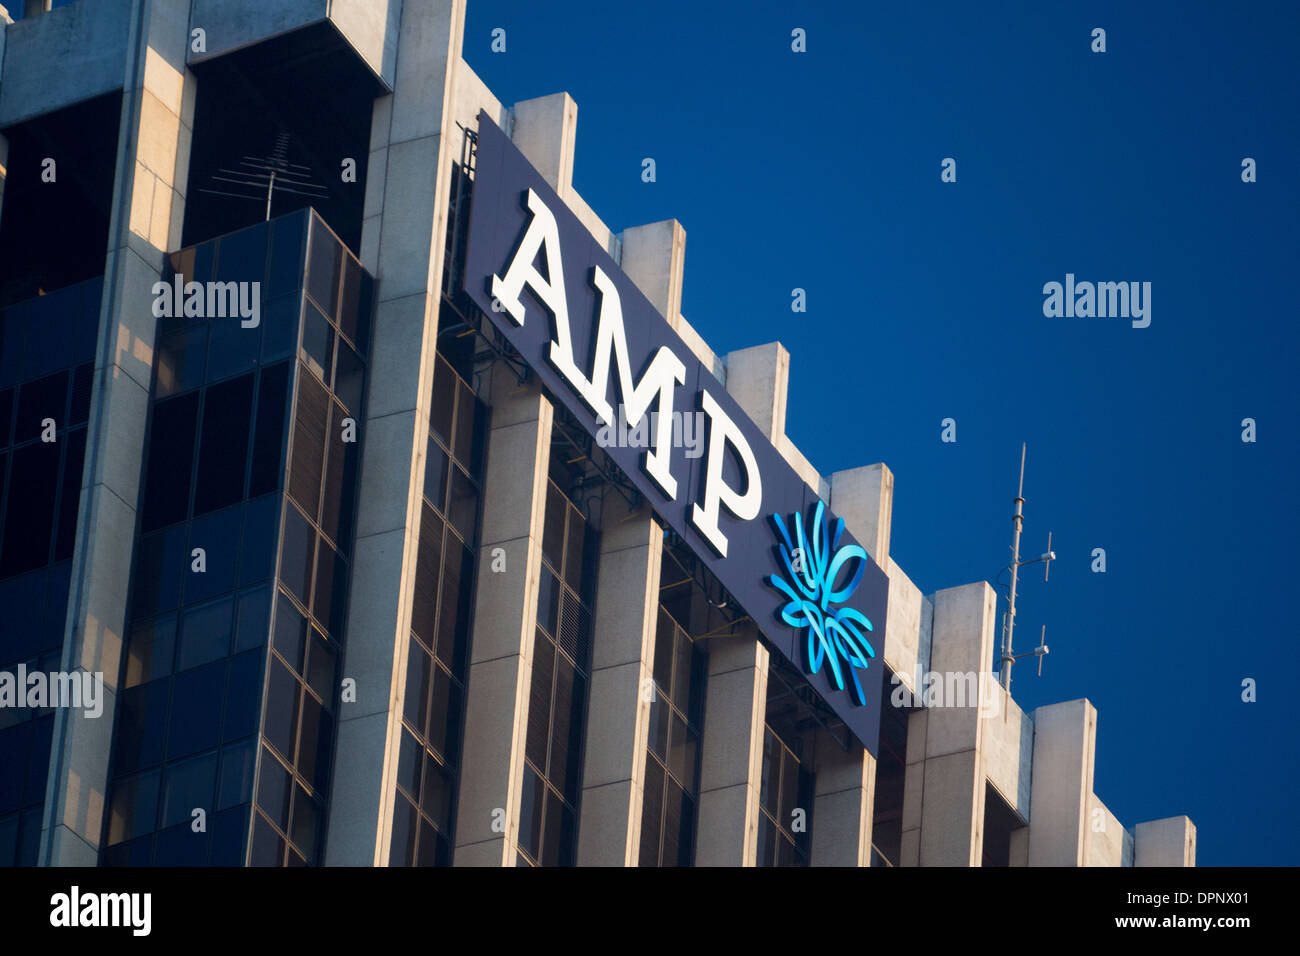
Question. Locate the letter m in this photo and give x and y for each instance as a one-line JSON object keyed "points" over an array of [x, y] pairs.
{"points": [[656, 387], [1112, 296]]}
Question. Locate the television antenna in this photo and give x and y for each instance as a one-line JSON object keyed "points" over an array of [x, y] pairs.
{"points": [[268, 175], [1009, 657]]}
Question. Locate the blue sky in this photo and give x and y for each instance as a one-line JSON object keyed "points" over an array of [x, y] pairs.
{"points": [[821, 171]]}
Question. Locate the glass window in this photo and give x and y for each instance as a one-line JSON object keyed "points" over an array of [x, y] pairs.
{"points": [[257, 553], [409, 763], [171, 461], [323, 271], [6, 407], [317, 349], [306, 822], [233, 347], [159, 565], [541, 686], [44, 398], [82, 383], [419, 678], [252, 616], [340, 485], [268, 846], [321, 663], [273, 790], [280, 724], [241, 256], [296, 554], [228, 828], [285, 271], [351, 321], [70, 495], [290, 633], [462, 509], [442, 403], [142, 726], [30, 514], [349, 378], [405, 822], [280, 321], [454, 606], [134, 808], [218, 535], [530, 813], [424, 602], [223, 446], [181, 355], [150, 650], [331, 587], [243, 695], [313, 734], [195, 722], [308, 445], [205, 633], [268, 440], [435, 475], [188, 786]]}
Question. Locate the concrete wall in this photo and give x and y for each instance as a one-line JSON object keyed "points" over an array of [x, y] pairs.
{"points": [[148, 206], [370, 26], [405, 221], [67, 55]]}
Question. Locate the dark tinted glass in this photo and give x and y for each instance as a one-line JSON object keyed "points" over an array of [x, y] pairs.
{"points": [[308, 445], [70, 494], [340, 484], [188, 785], [268, 440], [30, 513], [257, 552], [142, 726], [349, 378], [171, 457], [218, 535], [44, 398], [317, 349], [296, 554], [233, 346], [442, 402], [223, 445], [182, 350], [280, 723], [243, 695], [323, 269], [462, 506], [83, 380], [285, 271], [241, 256], [435, 475], [205, 633], [160, 565], [195, 722]]}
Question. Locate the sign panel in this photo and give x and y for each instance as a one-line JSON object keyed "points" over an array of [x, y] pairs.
{"points": [[605, 352]]}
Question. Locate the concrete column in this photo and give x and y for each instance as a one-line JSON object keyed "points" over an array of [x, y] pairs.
{"points": [[148, 206], [943, 795], [412, 145], [1065, 737], [545, 130], [627, 580], [1167, 842], [654, 258], [505, 622], [732, 753], [864, 498], [757, 379], [843, 803], [631, 551]]}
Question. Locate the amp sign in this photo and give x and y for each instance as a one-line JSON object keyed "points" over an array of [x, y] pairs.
{"points": [[596, 343]]}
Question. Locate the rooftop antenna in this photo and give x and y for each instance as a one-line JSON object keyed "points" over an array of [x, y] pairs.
{"points": [[272, 173], [1009, 616]]}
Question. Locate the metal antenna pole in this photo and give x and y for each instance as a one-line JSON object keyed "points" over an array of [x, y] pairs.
{"points": [[1010, 619]]}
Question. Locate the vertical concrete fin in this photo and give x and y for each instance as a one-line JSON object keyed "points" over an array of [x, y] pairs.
{"points": [[545, 130]]}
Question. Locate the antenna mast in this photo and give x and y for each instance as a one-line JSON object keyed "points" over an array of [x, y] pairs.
{"points": [[1009, 616]]}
